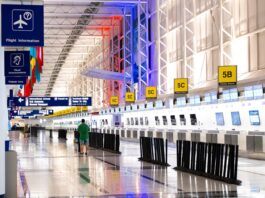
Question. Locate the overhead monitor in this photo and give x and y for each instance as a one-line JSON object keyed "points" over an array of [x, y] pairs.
{"points": [[258, 91], [141, 121], [254, 117], [164, 118], [157, 120], [173, 120], [220, 118], [235, 118]]}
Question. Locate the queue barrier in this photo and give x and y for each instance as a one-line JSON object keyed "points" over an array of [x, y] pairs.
{"points": [[62, 134], [153, 150], [108, 142], [212, 160]]}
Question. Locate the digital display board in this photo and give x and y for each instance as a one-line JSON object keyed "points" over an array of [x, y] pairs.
{"points": [[220, 119], [235, 118], [254, 117]]}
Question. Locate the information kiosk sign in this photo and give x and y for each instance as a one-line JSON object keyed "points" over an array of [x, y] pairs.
{"points": [[181, 86], [114, 100], [129, 97], [22, 25], [151, 92], [227, 75]]}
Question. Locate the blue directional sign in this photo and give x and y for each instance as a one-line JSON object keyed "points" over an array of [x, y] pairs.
{"points": [[22, 25], [16, 80], [16, 102], [81, 101], [30, 112], [48, 101], [17, 63], [50, 112]]}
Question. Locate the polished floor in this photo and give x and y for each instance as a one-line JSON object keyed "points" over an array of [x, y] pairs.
{"points": [[52, 168]]}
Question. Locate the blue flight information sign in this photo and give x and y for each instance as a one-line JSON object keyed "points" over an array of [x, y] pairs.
{"points": [[48, 101], [22, 25], [17, 63]]}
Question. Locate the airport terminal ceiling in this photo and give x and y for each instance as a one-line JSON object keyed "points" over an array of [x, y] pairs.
{"points": [[177, 39]]}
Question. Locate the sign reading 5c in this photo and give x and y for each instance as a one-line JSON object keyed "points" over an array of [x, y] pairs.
{"points": [[181, 86], [129, 97], [151, 92], [114, 100], [227, 75]]}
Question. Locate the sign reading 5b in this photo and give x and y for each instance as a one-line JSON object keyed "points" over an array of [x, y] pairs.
{"points": [[181, 86], [227, 75], [129, 97], [151, 92], [114, 100]]}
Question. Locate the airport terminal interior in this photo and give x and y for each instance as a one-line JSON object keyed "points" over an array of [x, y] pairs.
{"points": [[132, 98]]}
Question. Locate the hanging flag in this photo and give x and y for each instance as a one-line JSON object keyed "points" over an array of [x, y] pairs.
{"points": [[40, 58], [27, 88], [32, 64], [20, 91], [32, 52], [37, 71]]}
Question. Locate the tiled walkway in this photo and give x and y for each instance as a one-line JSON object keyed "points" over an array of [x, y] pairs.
{"points": [[52, 168]]}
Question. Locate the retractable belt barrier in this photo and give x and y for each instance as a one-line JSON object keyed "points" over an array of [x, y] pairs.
{"points": [[215, 161], [108, 142], [153, 150], [34, 130]]}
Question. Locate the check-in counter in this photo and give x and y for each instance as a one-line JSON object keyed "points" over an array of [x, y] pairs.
{"points": [[170, 136], [255, 141], [195, 136], [182, 135], [231, 137]]}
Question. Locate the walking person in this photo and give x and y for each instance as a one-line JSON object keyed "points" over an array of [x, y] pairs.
{"points": [[83, 130]]}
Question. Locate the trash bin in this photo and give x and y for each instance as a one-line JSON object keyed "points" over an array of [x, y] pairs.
{"points": [[7, 145]]}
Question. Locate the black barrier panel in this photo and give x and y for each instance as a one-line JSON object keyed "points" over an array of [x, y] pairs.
{"points": [[153, 150], [62, 133], [216, 161], [117, 143], [109, 142]]}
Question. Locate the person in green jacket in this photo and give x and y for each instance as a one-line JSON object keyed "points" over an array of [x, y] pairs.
{"points": [[83, 130]]}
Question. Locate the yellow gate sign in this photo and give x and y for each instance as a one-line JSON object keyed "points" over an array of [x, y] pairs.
{"points": [[227, 75], [114, 100], [181, 86], [129, 97], [150, 92]]}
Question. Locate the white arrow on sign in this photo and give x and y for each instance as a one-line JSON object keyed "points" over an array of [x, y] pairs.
{"points": [[20, 100]]}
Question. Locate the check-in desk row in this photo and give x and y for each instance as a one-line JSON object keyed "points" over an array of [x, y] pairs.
{"points": [[251, 141]]}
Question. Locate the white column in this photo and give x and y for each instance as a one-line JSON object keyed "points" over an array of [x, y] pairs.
{"points": [[3, 122]]}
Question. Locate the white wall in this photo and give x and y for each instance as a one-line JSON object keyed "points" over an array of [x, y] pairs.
{"points": [[3, 122]]}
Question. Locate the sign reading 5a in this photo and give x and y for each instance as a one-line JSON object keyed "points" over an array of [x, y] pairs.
{"points": [[151, 92], [129, 97], [181, 86], [227, 75], [114, 100]]}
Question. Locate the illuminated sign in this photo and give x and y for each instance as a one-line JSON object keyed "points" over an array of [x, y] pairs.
{"points": [[151, 92], [181, 86], [227, 75], [114, 100], [129, 97]]}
